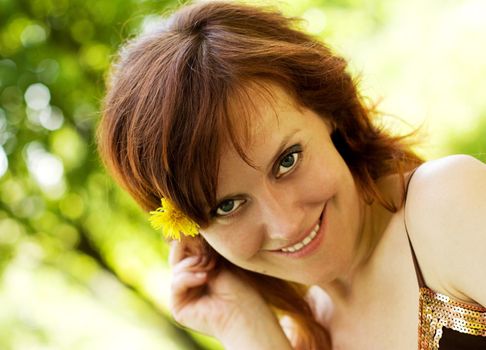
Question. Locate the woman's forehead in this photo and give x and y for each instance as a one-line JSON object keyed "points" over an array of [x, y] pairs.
{"points": [[273, 123], [257, 108]]}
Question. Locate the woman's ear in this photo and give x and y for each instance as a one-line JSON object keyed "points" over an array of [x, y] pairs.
{"points": [[194, 246], [197, 246]]}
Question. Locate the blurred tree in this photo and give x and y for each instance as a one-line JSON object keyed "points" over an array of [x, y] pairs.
{"points": [[57, 207]]}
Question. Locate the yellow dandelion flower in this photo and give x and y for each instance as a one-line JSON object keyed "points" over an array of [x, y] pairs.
{"points": [[172, 221]]}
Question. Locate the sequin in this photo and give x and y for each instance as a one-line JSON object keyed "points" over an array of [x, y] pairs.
{"points": [[438, 310]]}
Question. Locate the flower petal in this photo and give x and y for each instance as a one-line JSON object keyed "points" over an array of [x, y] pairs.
{"points": [[172, 221]]}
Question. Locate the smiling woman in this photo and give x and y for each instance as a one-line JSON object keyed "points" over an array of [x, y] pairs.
{"points": [[272, 208], [253, 133]]}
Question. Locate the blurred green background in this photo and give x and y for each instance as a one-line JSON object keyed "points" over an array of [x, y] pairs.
{"points": [[80, 268]]}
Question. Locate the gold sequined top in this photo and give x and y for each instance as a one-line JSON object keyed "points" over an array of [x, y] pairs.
{"points": [[445, 323]]}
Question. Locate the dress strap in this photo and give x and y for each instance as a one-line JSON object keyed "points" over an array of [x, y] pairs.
{"points": [[418, 272]]}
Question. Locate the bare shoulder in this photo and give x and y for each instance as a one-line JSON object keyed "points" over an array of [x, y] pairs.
{"points": [[453, 185], [446, 218]]}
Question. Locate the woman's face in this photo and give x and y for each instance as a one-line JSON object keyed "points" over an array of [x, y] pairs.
{"points": [[295, 215]]}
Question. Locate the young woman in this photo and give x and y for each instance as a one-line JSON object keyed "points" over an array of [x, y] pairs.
{"points": [[296, 221]]}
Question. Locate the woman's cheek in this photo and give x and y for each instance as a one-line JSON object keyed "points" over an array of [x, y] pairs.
{"points": [[235, 242]]}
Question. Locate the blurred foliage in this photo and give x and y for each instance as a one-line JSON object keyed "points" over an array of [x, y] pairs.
{"points": [[79, 266], [63, 222]]}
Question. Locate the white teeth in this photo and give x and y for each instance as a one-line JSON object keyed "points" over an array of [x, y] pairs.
{"points": [[298, 246], [307, 240]]}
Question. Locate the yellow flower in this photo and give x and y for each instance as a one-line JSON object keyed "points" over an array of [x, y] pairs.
{"points": [[172, 221]]}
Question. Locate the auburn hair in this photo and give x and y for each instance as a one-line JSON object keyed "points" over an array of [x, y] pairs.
{"points": [[169, 110]]}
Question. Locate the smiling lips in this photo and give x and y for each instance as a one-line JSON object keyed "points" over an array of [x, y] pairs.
{"points": [[298, 246]]}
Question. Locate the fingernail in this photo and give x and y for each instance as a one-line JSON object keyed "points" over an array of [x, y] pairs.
{"points": [[195, 259], [200, 274]]}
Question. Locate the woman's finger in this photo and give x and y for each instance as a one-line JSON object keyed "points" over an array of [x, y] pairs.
{"points": [[186, 287], [177, 252], [187, 280], [189, 263]]}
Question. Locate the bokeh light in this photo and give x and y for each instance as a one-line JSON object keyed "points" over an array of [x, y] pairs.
{"points": [[3, 162], [37, 96], [46, 169]]}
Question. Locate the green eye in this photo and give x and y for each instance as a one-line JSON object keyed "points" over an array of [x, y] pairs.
{"points": [[289, 161], [228, 206]]}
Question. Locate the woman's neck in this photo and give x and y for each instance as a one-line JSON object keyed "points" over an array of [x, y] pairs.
{"points": [[375, 220]]}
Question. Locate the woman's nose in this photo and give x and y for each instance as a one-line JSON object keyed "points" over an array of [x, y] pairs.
{"points": [[281, 214]]}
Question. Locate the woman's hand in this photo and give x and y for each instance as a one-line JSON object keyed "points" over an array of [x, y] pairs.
{"points": [[201, 298], [220, 304]]}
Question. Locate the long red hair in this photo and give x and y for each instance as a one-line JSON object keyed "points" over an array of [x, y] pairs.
{"points": [[169, 110]]}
